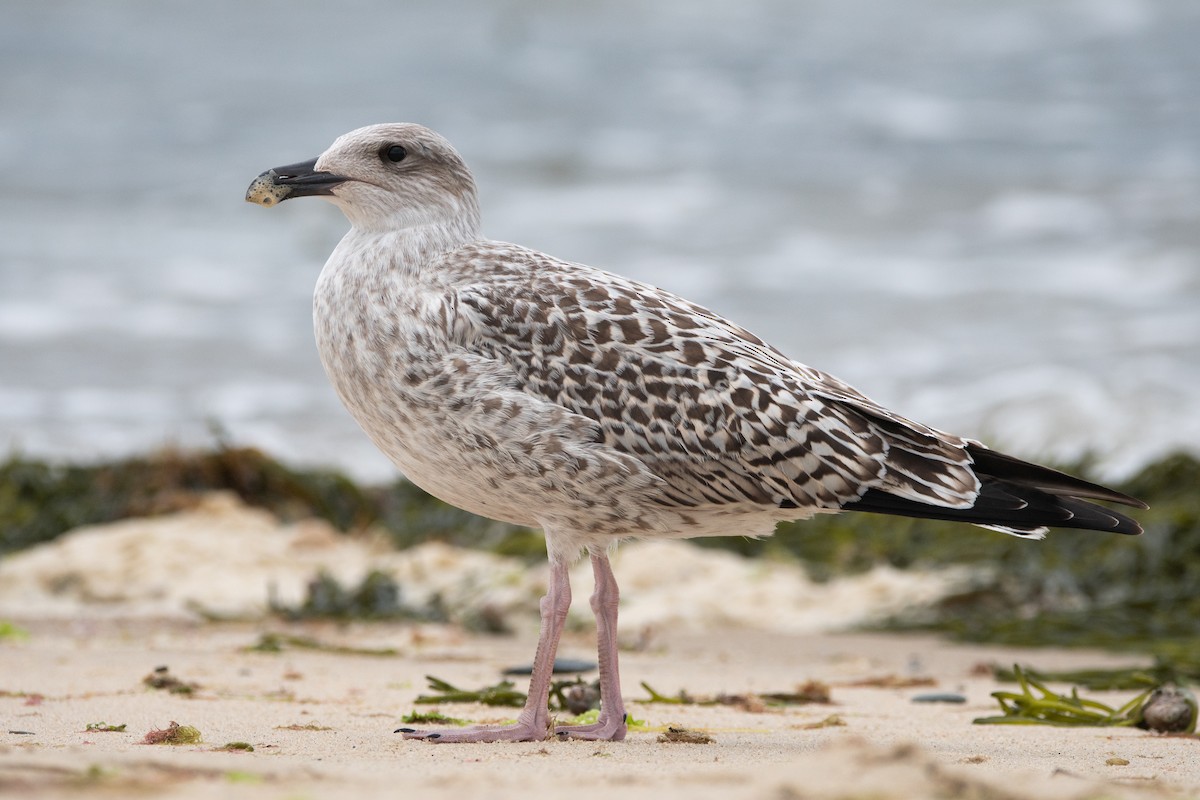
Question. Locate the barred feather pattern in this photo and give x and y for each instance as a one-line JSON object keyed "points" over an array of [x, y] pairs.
{"points": [[721, 416], [552, 394]]}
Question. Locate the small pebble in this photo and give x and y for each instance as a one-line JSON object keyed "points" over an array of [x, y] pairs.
{"points": [[1170, 709], [939, 697], [582, 697], [560, 665]]}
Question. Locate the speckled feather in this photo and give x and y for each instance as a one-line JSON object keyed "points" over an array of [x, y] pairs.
{"points": [[546, 393], [723, 418]]}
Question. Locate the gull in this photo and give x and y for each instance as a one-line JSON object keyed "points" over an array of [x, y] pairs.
{"points": [[562, 397]]}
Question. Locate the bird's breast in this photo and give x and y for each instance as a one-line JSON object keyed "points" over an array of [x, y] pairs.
{"points": [[372, 341]]}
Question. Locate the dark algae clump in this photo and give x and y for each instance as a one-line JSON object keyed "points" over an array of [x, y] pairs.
{"points": [[1074, 588], [376, 597], [1093, 590], [173, 734], [40, 500]]}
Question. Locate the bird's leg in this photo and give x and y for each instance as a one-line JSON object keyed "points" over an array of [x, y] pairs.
{"points": [[605, 599], [533, 724]]}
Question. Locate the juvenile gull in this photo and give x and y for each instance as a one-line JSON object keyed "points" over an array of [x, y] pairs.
{"points": [[562, 397]]}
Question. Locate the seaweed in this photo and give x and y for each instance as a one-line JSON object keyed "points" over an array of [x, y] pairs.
{"points": [[563, 695], [678, 735], [12, 632], [1096, 679], [808, 692], [311, 726], [433, 717], [278, 642], [1076, 588], [1165, 708], [377, 597], [592, 716], [1047, 707], [1088, 589], [832, 721], [892, 681], [161, 678], [500, 694], [40, 500], [239, 776], [173, 734]]}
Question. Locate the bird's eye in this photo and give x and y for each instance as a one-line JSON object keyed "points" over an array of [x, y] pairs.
{"points": [[394, 153]]}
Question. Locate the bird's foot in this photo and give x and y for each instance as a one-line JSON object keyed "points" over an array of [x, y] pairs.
{"points": [[605, 729], [521, 732]]}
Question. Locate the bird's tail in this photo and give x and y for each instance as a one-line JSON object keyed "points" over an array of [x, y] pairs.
{"points": [[1018, 498]]}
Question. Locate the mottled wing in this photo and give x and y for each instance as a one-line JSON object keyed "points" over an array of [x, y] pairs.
{"points": [[719, 415]]}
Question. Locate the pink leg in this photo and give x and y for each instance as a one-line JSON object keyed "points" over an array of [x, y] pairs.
{"points": [[605, 600], [534, 722]]}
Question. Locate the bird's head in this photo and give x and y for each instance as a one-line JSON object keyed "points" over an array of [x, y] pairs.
{"points": [[383, 178]]}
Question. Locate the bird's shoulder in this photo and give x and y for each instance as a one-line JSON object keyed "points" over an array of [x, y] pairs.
{"points": [[515, 296], [566, 315], [707, 405]]}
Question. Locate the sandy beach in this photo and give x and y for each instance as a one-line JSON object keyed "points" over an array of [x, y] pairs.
{"points": [[983, 215], [99, 609], [321, 723]]}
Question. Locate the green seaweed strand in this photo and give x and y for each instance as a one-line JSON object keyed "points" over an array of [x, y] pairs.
{"points": [[1051, 708]]}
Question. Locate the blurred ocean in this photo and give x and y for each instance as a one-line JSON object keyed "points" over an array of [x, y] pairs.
{"points": [[981, 214]]}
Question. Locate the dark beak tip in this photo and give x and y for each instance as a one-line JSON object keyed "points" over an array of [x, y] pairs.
{"points": [[265, 191], [294, 180]]}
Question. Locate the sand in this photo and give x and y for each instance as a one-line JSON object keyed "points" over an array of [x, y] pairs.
{"points": [[321, 722]]}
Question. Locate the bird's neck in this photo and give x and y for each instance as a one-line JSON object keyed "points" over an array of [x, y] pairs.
{"points": [[408, 249]]}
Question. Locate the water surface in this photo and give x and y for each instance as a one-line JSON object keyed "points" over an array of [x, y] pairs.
{"points": [[983, 215]]}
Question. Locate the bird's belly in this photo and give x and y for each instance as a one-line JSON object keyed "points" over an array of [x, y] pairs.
{"points": [[420, 452], [419, 432], [387, 388], [523, 461]]}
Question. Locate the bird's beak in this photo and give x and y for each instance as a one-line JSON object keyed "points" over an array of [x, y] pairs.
{"points": [[294, 180]]}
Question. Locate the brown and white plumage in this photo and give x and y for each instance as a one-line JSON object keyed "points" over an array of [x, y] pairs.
{"points": [[551, 394]]}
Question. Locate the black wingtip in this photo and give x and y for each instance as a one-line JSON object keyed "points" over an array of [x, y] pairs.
{"points": [[994, 509], [1023, 473]]}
